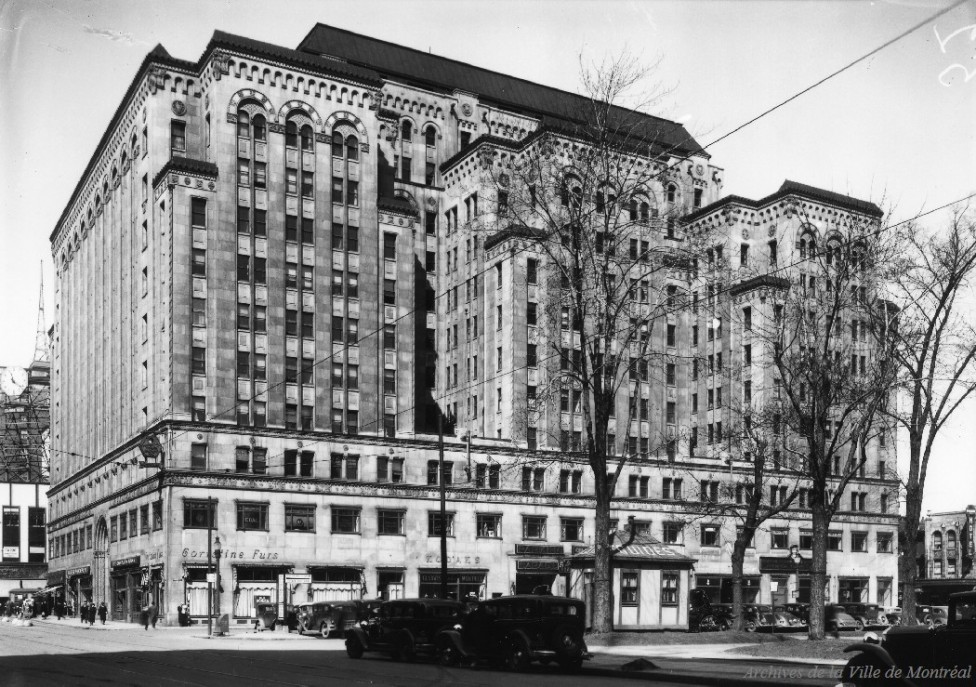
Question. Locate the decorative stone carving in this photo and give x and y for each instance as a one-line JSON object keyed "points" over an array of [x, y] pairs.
{"points": [[221, 64], [155, 79], [745, 234], [276, 128], [179, 108], [466, 109], [376, 97], [364, 147]]}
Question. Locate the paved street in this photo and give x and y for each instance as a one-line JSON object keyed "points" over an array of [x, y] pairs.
{"points": [[65, 653]]}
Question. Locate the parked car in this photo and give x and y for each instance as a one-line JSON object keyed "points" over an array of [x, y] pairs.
{"points": [[837, 619], [924, 615], [940, 615], [867, 615], [327, 618], [893, 614], [793, 621], [919, 655], [801, 611], [266, 615], [404, 629], [517, 630], [704, 616]]}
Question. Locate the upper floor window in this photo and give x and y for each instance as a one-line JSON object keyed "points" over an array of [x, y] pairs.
{"points": [[345, 146], [406, 131], [177, 133], [291, 135], [430, 136]]}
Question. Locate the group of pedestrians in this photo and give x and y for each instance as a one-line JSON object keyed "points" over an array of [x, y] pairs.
{"points": [[88, 611]]}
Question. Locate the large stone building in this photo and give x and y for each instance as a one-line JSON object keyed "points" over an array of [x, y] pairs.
{"points": [[946, 551], [272, 265]]}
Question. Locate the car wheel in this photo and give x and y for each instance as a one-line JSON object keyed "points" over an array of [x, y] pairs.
{"points": [[750, 626], [567, 643], [324, 630], [858, 625], [447, 654], [707, 624], [517, 656], [354, 648], [725, 624], [860, 671]]}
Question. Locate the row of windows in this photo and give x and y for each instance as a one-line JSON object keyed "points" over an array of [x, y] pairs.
{"points": [[133, 523], [389, 521]]}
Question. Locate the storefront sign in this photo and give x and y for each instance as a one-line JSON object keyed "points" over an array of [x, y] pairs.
{"points": [[463, 578], [539, 549], [299, 579], [152, 556], [255, 555], [80, 570], [11, 552], [784, 565], [453, 560], [551, 565], [127, 562]]}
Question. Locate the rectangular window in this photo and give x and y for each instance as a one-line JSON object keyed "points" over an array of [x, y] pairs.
{"points": [[629, 588], [389, 246], [195, 514], [533, 479], [299, 518], [859, 542], [671, 533], [252, 516], [487, 476], [389, 292], [157, 515], [345, 520], [198, 457], [534, 527], [198, 212], [434, 524], [308, 184], [390, 522], [885, 542], [669, 588], [709, 535], [835, 541], [389, 469], [177, 137], [779, 539], [571, 529], [489, 526], [337, 188]]}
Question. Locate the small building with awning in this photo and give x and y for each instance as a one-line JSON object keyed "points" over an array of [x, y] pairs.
{"points": [[649, 585]]}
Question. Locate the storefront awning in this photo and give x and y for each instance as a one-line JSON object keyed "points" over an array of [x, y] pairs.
{"points": [[48, 590], [643, 550]]}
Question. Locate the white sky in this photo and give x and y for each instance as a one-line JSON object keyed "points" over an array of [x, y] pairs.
{"points": [[886, 130]]}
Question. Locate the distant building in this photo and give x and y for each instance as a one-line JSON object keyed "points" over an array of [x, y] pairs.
{"points": [[946, 552], [252, 271], [24, 425]]}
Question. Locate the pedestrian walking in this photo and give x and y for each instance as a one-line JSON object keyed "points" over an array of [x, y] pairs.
{"points": [[144, 618], [102, 612], [59, 608], [152, 615], [91, 614], [182, 615]]}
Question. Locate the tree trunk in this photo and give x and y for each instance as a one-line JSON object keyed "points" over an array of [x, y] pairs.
{"points": [[907, 564], [602, 574], [738, 559], [818, 566]]}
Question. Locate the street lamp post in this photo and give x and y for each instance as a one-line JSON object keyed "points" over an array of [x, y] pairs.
{"points": [[217, 552], [209, 567]]}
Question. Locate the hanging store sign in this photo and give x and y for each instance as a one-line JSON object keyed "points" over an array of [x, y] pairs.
{"points": [[550, 565], [539, 550], [80, 570], [127, 562]]}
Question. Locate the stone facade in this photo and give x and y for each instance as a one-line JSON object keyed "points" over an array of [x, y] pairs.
{"points": [[252, 271]]}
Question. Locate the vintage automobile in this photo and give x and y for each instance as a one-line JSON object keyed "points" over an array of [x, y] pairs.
{"points": [[763, 618], [837, 619], [920, 655], [327, 618], [704, 616], [404, 629], [794, 622], [517, 630], [801, 611], [867, 615]]}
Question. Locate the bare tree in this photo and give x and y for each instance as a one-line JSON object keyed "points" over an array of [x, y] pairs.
{"points": [[591, 201], [934, 346], [833, 384]]}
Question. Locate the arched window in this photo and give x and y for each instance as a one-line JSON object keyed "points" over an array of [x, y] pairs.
{"points": [[260, 128], [291, 135], [951, 542], [243, 124], [803, 249], [308, 140], [571, 188], [645, 211], [640, 209], [833, 252], [125, 159], [937, 541], [672, 193], [430, 137], [337, 144], [352, 148], [406, 130]]}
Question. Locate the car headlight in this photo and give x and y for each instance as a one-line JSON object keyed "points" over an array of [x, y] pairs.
{"points": [[872, 638]]}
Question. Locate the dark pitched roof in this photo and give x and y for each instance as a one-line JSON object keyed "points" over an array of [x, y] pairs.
{"points": [[512, 232], [399, 205], [793, 188], [444, 74], [223, 39], [188, 165], [643, 549]]}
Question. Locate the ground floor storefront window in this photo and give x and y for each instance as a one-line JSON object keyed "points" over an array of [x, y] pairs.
{"points": [[885, 591], [719, 588], [255, 585], [336, 583], [389, 584], [852, 589], [195, 581], [460, 584], [127, 596]]}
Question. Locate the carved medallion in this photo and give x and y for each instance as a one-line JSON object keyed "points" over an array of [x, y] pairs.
{"points": [[179, 108], [466, 109], [745, 234]]}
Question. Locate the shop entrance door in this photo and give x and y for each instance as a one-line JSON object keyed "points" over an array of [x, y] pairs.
{"points": [[779, 590]]}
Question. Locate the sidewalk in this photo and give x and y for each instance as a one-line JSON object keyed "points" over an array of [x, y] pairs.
{"points": [[199, 631], [702, 651]]}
